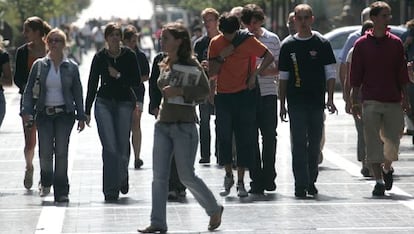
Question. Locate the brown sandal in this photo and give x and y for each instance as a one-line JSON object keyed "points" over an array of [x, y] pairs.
{"points": [[215, 220], [152, 229]]}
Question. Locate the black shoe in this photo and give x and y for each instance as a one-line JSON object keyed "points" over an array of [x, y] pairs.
{"points": [[172, 195], [388, 180], [312, 190], [63, 198], [111, 198], [125, 188], [152, 229], [365, 172], [138, 163], [270, 186], [204, 160], [379, 190], [300, 193]]}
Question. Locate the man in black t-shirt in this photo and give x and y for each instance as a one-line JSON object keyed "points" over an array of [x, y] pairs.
{"points": [[307, 67]]}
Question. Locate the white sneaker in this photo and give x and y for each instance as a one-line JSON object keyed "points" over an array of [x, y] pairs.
{"points": [[241, 190], [43, 190]]}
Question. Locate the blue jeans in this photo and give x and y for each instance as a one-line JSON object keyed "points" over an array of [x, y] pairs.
{"points": [[306, 127], [54, 134], [114, 126], [2, 106], [236, 112], [180, 139], [264, 172]]}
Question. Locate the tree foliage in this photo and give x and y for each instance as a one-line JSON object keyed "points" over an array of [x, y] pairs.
{"points": [[45, 9], [15, 12], [223, 5]]}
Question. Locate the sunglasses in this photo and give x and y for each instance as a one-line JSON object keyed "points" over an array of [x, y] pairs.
{"points": [[54, 40]]}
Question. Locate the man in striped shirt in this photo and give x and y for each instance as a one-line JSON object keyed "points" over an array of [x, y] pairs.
{"points": [[263, 173]]}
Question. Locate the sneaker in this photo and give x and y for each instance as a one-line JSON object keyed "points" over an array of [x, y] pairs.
{"points": [[241, 190], [365, 172], [204, 161], [228, 183], [379, 190], [138, 163], [312, 190], [43, 190], [256, 191], [388, 180], [28, 178]]}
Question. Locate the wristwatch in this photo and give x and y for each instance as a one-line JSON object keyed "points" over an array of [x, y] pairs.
{"points": [[118, 75]]}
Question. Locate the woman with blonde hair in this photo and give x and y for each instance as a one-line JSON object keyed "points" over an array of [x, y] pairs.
{"points": [[59, 103]]}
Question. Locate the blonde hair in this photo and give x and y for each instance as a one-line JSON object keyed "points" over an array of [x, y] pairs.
{"points": [[59, 32]]}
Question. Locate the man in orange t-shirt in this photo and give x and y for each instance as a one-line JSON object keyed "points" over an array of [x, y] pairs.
{"points": [[230, 65]]}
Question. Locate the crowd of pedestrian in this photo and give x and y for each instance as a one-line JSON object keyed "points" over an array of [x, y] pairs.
{"points": [[238, 71]]}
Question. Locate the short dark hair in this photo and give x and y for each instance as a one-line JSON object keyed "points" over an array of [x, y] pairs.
{"points": [[111, 27], [129, 31], [251, 11], [228, 23], [377, 7]]}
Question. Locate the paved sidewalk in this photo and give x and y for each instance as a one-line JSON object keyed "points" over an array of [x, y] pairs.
{"points": [[344, 205]]}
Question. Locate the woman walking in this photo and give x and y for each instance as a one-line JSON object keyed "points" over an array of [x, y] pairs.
{"points": [[59, 103], [175, 132], [116, 69]]}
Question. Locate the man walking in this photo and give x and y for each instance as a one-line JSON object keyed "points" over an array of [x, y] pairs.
{"points": [[306, 66], [379, 72]]}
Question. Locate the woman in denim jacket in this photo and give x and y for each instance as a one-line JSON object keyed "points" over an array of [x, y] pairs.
{"points": [[175, 132], [59, 103]]}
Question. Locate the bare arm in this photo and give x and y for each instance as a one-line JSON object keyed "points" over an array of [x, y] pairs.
{"points": [[6, 79]]}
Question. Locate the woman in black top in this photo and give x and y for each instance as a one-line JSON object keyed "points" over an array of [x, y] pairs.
{"points": [[115, 69], [34, 31]]}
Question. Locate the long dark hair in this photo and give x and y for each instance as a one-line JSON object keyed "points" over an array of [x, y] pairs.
{"points": [[179, 31], [36, 23]]}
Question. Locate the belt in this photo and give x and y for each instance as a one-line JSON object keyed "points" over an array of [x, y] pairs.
{"points": [[52, 110]]}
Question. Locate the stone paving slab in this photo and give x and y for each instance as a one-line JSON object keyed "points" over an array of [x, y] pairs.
{"points": [[344, 205]]}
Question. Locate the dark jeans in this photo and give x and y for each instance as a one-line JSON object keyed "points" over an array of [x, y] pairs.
{"points": [[410, 92], [306, 126], [206, 110], [54, 133], [264, 172], [236, 112], [2, 106]]}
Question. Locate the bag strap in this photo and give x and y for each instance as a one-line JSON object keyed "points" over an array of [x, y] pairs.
{"points": [[39, 69]]}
